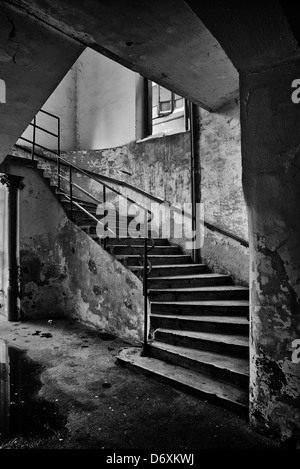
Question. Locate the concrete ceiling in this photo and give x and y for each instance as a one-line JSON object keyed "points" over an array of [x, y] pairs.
{"points": [[33, 60], [256, 35], [164, 41]]}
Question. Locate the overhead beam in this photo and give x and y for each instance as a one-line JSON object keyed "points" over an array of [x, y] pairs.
{"points": [[255, 35]]}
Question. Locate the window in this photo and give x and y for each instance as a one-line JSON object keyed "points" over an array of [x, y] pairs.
{"points": [[2, 92], [168, 111], [159, 111]]}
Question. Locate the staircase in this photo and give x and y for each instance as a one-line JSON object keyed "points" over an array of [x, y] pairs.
{"points": [[199, 325]]}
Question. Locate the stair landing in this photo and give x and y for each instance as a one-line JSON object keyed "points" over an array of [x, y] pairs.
{"points": [[211, 389]]}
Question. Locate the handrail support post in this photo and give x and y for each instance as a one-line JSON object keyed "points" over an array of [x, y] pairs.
{"points": [[71, 193], [145, 293], [33, 137]]}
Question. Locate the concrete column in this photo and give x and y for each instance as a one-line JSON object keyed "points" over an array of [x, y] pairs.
{"points": [[270, 127], [13, 184]]}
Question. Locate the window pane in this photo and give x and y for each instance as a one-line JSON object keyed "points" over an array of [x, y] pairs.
{"points": [[178, 103], [155, 95], [166, 106], [164, 94], [154, 112]]}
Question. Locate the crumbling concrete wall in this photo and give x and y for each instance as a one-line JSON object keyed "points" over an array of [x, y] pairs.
{"points": [[161, 167], [222, 192], [271, 179], [65, 273], [3, 250]]}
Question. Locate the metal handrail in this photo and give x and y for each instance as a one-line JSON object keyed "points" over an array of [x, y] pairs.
{"points": [[207, 224], [147, 267]]}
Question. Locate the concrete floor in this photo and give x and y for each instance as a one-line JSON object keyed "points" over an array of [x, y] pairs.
{"points": [[73, 395]]}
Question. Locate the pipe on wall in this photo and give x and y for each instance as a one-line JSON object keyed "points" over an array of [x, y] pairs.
{"points": [[195, 171]]}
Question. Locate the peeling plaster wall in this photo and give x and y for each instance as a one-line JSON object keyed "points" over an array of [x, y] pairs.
{"points": [[3, 250], [271, 179], [161, 167], [221, 169], [222, 192], [65, 273]]}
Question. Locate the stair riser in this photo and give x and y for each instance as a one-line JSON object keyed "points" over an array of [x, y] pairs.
{"points": [[81, 217], [189, 282], [197, 295], [122, 232], [159, 261], [119, 236], [202, 344], [166, 271], [199, 326], [163, 308], [89, 208], [140, 241], [120, 250], [119, 232], [208, 369]]}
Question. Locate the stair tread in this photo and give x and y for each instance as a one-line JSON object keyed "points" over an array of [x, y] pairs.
{"points": [[230, 303], [188, 378], [236, 364], [170, 266], [156, 238], [209, 288], [211, 336], [216, 319], [155, 247], [191, 276], [153, 255]]}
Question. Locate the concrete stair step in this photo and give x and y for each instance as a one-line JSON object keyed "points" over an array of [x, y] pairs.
{"points": [[194, 280], [172, 270], [134, 260], [215, 307], [216, 324], [228, 344], [158, 250], [64, 199], [140, 241], [118, 219], [201, 385], [234, 370], [200, 293], [120, 235]]}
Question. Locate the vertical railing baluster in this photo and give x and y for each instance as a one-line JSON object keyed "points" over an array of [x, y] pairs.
{"points": [[71, 193], [146, 223], [58, 172], [33, 137], [104, 202], [58, 153], [58, 136], [145, 293]]}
